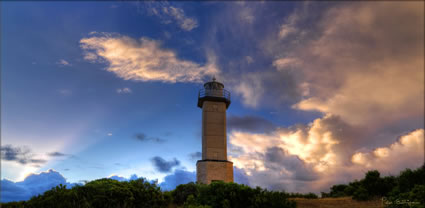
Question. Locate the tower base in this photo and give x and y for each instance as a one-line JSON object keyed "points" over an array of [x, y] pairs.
{"points": [[208, 171]]}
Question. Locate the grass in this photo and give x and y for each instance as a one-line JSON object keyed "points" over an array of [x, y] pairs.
{"points": [[341, 202]]}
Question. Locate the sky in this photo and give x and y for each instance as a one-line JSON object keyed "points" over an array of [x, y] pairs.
{"points": [[321, 92]]}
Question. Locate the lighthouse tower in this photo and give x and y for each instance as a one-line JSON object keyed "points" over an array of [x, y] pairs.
{"points": [[214, 101]]}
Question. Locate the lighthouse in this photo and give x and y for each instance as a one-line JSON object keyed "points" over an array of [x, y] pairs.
{"points": [[214, 166]]}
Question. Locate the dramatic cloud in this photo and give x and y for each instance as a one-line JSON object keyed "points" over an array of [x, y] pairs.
{"points": [[249, 123], [142, 137], [124, 90], [164, 166], [32, 185], [408, 149], [21, 155], [176, 178], [143, 59], [276, 158], [368, 97], [312, 157], [346, 78]]}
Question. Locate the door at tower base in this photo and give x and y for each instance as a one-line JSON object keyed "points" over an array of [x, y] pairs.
{"points": [[214, 170]]}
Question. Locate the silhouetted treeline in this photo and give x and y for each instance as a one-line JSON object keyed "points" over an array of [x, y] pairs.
{"points": [[306, 196], [408, 186], [104, 193], [405, 190]]}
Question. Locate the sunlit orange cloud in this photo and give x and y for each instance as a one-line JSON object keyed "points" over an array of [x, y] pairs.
{"points": [[321, 155], [143, 59], [367, 65]]}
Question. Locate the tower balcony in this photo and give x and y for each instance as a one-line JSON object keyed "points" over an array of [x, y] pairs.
{"points": [[216, 95]]}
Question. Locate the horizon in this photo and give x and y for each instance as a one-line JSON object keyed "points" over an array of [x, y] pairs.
{"points": [[321, 92]]}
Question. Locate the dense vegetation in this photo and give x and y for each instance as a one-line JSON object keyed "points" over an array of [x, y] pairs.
{"points": [[398, 191], [99, 193], [405, 190], [140, 193]]}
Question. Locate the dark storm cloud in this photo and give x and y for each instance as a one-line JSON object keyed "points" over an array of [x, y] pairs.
{"points": [[19, 155], [144, 138], [277, 159], [195, 156], [250, 124], [164, 166]]}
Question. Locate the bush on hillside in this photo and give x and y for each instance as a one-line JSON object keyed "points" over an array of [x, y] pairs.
{"points": [[407, 186], [220, 194]]}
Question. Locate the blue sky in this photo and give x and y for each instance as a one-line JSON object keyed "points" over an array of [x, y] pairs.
{"points": [[95, 89]]}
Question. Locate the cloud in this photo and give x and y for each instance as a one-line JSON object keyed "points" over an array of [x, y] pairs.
{"points": [[286, 63], [57, 154], [246, 15], [20, 155], [170, 14], [249, 123], [289, 26], [251, 89], [124, 90], [63, 62], [240, 176], [195, 156], [408, 148], [180, 176], [32, 185], [178, 15], [249, 59], [164, 166], [346, 78], [279, 160], [368, 98], [265, 88], [249, 74], [118, 178], [312, 157], [142, 137], [176, 178], [143, 59]]}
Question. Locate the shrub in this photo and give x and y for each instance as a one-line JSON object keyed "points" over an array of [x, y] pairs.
{"points": [[361, 194], [183, 191]]}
